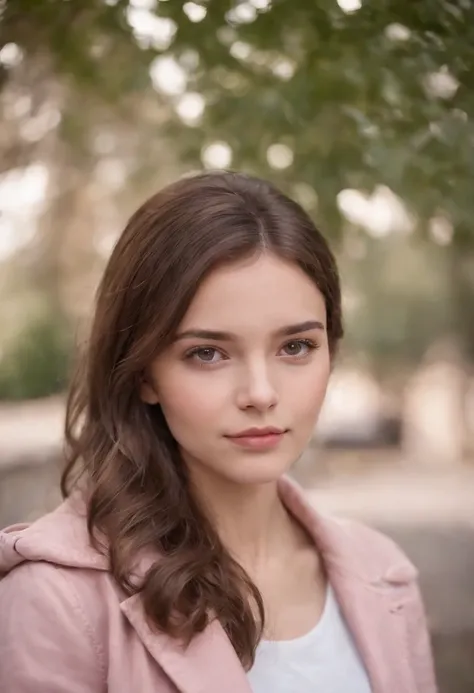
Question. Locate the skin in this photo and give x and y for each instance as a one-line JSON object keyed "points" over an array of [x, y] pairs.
{"points": [[210, 389]]}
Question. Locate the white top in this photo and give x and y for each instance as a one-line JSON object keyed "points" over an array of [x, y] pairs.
{"points": [[325, 659]]}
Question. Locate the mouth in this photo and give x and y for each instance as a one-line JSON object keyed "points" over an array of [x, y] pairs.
{"points": [[258, 438], [257, 432]]}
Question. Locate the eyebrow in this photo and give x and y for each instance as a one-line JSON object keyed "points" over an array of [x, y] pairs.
{"points": [[218, 336]]}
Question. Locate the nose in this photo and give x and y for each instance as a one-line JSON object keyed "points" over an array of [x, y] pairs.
{"points": [[256, 390]]}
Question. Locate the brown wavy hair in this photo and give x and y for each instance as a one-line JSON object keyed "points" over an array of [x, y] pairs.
{"points": [[139, 496]]}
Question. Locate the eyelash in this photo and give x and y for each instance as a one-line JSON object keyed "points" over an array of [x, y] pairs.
{"points": [[309, 343]]}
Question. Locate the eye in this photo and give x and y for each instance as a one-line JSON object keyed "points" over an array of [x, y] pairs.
{"points": [[299, 348], [205, 355]]}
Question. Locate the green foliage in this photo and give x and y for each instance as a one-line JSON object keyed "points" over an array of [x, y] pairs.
{"points": [[362, 98], [37, 363], [354, 106], [381, 95], [90, 43]]}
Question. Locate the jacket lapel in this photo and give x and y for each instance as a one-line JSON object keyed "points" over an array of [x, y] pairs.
{"points": [[208, 665], [376, 619], [372, 590], [372, 601]]}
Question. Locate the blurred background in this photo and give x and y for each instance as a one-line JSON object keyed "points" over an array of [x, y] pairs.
{"points": [[363, 111]]}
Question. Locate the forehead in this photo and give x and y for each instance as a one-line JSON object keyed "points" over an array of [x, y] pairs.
{"points": [[263, 292]]}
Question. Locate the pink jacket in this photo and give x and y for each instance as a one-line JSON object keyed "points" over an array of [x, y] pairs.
{"points": [[65, 626]]}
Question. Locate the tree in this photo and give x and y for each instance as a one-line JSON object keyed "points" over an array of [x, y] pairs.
{"points": [[320, 97], [323, 100], [381, 94]]}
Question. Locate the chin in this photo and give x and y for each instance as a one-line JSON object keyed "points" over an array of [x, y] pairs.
{"points": [[257, 470]]}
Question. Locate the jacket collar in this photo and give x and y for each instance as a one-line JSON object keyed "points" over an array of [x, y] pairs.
{"points": [[374, 583], [371, 580], [347, 547]]}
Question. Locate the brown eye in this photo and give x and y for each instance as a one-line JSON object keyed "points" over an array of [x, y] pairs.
{"points": [[298, 348], [293, 348], [205, 355]]}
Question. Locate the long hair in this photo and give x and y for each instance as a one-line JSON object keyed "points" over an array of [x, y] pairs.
{"points": [[138, 492]]}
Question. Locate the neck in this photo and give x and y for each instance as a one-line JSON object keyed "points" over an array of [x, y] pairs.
{"points": [[250, 519]]}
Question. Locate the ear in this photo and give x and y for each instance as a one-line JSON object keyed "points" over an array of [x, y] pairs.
{"points": [[147, 392]]}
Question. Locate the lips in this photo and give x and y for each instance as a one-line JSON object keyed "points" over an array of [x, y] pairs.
{"points": [[258, 432], [258, 438]]}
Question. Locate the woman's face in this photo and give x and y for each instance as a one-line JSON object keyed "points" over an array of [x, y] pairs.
{"points": [[242, 385]]}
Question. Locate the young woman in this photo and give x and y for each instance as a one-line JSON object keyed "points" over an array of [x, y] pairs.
{"points": [[183, 558]]}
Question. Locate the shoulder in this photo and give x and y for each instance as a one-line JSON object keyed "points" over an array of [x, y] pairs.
{"points": [[364, 536], [50, 627], [63, 599], [352, 546], [367, 551]]}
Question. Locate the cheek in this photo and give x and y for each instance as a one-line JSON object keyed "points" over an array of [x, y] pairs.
{"points": [[310, 390], [189, 400]]}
